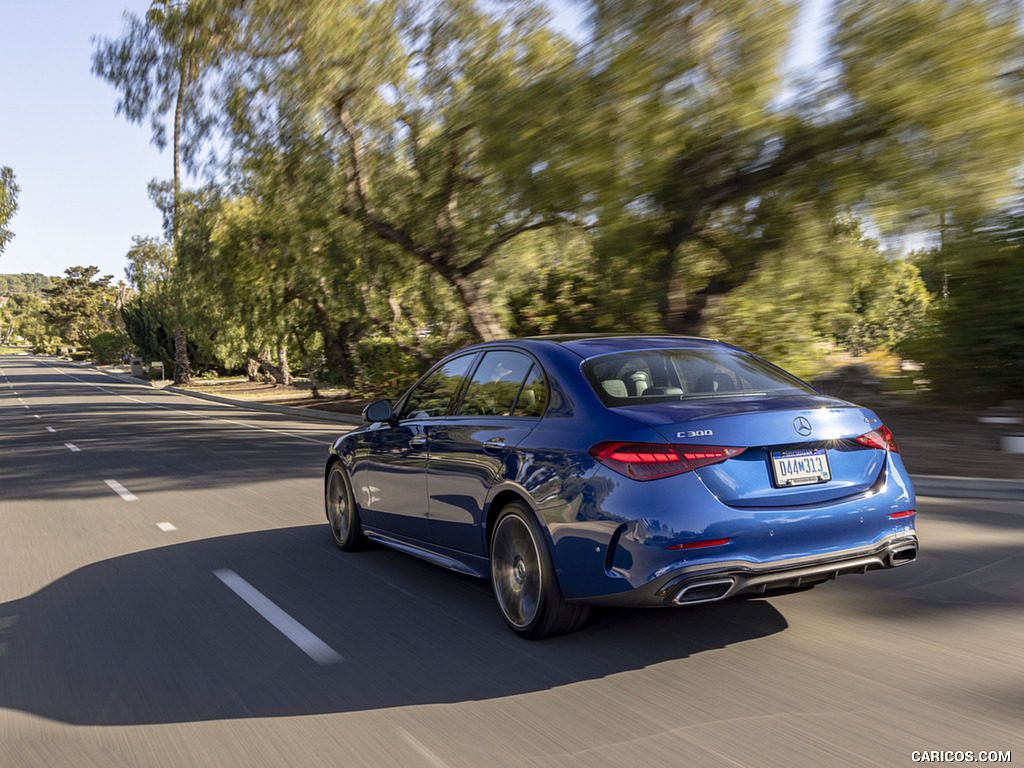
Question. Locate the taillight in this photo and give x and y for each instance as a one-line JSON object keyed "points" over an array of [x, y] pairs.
{"points": [[649, 461], [879, 438]]}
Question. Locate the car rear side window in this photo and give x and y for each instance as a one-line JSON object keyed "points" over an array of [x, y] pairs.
{"points": [[433, 396], [497, 386], [665, 375], [533, 398]]}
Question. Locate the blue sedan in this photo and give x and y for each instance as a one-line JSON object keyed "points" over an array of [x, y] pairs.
{"points": [[622, 470]]}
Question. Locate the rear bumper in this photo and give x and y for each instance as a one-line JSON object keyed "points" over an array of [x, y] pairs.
{"points": [[710, 582]]}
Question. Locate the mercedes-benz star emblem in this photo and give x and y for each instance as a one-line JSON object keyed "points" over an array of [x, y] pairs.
{"points": [[802, 425]]}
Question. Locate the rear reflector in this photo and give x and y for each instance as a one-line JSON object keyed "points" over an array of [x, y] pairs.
{"points": [[700, 544], [906, 513], [649, 461]]}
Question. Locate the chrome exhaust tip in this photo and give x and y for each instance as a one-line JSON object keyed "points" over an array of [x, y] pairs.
{"points": [[703, 592], [903, 555]]}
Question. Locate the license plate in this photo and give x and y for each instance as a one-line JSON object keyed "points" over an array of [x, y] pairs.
{"points": [[802, 467]]}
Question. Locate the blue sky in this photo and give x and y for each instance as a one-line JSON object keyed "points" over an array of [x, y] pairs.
{"points": [[83, 172]]}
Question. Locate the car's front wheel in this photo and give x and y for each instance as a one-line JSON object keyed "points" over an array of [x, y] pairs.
{"points": [[523, 578], [341, 510]]}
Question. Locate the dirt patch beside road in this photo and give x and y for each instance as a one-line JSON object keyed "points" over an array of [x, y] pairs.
{"points": [[298, 395]]}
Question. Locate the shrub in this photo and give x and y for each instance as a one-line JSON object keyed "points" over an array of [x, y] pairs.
{"points": [[110, 347]]}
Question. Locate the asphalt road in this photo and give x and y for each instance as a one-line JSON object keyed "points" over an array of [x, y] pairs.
{"points": [[170, 596]]}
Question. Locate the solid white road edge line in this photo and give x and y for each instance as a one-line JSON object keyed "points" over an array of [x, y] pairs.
{"points": [[190, 413], [309, 643]]}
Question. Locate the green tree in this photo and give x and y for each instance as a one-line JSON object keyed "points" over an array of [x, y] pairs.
{"points": [[150, 315], [700, 161], [454, 168], [149, 263], [550, 285], [158, 64], [8, 205], [77, 306], [146, 325], [888, 305], [32, 283], [23, 316], [827, 287], [425, 106], [974, 352]]}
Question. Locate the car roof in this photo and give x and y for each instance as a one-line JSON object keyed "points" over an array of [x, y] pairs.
{"points": [[588, 345]]}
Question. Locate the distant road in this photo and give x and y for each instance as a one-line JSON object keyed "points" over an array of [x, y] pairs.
{"points": [[170, 596]]}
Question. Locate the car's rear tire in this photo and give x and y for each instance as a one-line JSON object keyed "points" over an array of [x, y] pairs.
{"points": [[341, 510], [523, 579]]}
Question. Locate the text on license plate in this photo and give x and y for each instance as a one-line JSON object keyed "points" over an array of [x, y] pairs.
{"points": [[801, 467]]}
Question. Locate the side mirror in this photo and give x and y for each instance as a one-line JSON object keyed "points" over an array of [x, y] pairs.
{"points": [[379, 410]]}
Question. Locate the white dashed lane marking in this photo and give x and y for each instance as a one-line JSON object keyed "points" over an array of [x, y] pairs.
{"points": [[121, 491], [73, 448], [166, 527], [310, 644]]}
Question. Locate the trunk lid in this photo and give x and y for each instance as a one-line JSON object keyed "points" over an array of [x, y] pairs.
{"points": [[798, 449]]}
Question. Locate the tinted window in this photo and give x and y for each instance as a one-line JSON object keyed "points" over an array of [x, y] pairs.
{"points": [[495, 385], [628, 378], [435, 393]]}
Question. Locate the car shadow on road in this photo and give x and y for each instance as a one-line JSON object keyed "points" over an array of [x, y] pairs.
{"points": [[157, 637]]}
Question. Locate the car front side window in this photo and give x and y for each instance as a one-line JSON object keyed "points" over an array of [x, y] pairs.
{"points": [[495, 384], [433, 396]]}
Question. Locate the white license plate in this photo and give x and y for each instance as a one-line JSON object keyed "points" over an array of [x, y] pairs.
{"points": [[802, 467]]}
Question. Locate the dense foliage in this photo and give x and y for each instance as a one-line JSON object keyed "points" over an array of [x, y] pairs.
{"points": [[32, 283], [79, 307], [110, 347], [402, 176], [974, 350]]}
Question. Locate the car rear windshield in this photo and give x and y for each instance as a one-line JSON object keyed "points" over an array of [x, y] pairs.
{"points": [[671, 375]]}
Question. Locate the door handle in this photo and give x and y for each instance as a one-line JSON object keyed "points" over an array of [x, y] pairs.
{"points": [[495, 445], [418, 441]]}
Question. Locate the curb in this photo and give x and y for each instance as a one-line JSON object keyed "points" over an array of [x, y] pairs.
{"points": [[924, 485]]}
